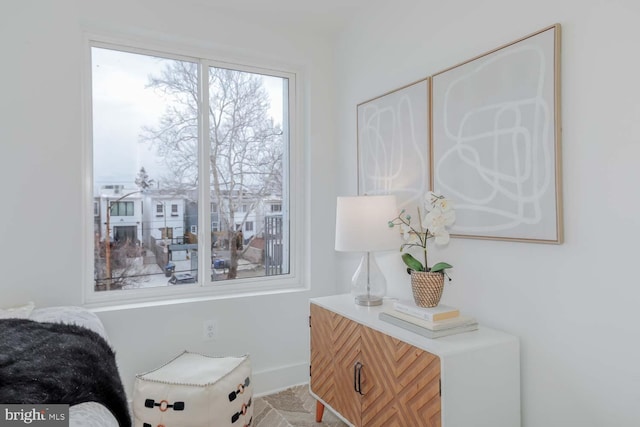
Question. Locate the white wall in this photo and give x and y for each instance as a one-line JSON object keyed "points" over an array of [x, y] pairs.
{"points": [[574, 306], [41, 170]]}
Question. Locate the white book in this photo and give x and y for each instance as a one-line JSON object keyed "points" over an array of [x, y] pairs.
{"points": [[434, 326], [393, 318], [439, 312]]}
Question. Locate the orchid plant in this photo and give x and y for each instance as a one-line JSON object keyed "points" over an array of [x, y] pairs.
{"points": [[439, 215]]}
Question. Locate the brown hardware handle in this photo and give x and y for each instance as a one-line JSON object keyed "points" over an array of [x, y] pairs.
{"points": [[357, 378]]}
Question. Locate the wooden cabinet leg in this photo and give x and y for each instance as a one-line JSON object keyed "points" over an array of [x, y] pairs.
{"points": [[319, 411]]}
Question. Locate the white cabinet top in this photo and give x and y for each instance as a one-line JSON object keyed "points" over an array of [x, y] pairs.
{"points": [[450, 345]]}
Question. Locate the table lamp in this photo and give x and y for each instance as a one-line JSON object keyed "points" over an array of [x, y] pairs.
{"points": [[362, 226]]}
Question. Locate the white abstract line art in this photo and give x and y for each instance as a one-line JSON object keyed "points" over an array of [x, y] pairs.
{"points": [[504, 142], [392, 137]]}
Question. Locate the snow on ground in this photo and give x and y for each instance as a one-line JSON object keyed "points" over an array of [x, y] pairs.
{"points": [[152, 275]]}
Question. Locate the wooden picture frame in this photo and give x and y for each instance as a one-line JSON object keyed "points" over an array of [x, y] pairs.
{"points": [[495, 141], [393, 145]]}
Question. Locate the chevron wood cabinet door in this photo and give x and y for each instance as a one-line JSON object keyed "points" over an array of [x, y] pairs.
{"points": [[335, 349], [346, 352], [401, 383], [374, 374], [335, 353], [370, 378]]}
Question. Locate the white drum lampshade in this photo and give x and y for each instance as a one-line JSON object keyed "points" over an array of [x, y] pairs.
{"points": [[362, 226]]}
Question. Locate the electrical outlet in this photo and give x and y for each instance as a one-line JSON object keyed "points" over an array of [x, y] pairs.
{"points": [[209, 330]]}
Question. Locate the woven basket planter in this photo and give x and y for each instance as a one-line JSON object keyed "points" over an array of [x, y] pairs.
{"points": [[427, 288]]}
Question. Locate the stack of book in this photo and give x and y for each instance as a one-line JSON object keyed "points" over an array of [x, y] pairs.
{"points": [[430, 322]]}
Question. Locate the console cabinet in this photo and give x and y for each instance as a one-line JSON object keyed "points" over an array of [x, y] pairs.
{"points": [[371, 378], [371, 373]]}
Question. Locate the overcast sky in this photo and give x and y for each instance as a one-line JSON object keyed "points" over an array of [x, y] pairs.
{"points": [[123, 105]]}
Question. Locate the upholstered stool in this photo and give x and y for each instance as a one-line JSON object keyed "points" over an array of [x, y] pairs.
{"points": [[194, 390]]}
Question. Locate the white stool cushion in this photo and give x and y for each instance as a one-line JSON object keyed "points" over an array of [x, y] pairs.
{"points": [[194, 390]]}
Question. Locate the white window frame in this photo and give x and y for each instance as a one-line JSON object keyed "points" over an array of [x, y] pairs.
{"points": [[297, 278]]}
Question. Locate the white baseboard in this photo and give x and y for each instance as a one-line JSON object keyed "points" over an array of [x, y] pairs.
{"points": [[280, 378]]}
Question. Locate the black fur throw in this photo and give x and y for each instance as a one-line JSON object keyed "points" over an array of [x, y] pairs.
{"points": [[59, 363]]}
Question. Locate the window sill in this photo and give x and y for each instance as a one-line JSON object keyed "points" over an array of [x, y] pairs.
{"points": [[182, 296]]}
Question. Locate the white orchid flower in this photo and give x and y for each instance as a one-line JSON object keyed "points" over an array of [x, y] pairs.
{"points": [[439, 218], [445, 205], [441, 236], [440, 214], [429, 200], [449, 217], [437, 201], [408, 235]]}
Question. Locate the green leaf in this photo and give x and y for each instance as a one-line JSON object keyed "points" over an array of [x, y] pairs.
{"points": [[412, 263], [441, 266]]}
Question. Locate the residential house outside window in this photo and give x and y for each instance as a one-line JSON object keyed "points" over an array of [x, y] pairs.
{"points": [[147, 137]]}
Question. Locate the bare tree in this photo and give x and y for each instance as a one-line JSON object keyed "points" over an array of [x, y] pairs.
{"points": [[246, 145]]}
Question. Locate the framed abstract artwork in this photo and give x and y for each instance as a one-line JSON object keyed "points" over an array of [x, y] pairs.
{"points": [[495, 143], [393, 145]]}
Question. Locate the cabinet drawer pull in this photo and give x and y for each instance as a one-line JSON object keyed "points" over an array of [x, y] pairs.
{"points": [[357, 378]]}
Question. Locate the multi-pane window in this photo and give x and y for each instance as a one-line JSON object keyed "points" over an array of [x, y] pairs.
{"points": [[148, 115], [276, 208], [167, 233], [122, 209]]}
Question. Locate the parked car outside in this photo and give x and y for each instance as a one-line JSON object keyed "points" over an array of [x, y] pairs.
{"points": [[182, 278]]}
